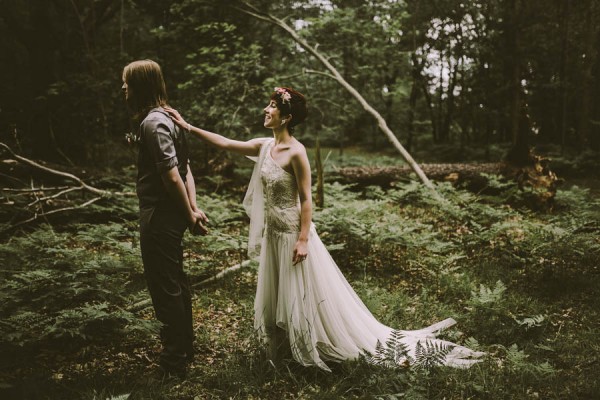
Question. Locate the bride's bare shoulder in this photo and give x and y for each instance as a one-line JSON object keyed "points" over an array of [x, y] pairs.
{"points": [[259, 140], [298, 148], [298, 154]]}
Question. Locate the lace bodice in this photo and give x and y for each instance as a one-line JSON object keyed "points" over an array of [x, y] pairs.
{"points": [[282, 205]]}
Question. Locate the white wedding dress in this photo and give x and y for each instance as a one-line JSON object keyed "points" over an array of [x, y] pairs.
{"points": [[321, 314]]}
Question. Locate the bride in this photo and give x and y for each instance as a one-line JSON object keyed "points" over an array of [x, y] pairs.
{"points": [[303, 302]]}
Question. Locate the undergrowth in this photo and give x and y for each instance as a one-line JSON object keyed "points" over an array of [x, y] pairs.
{"points": [[523, 287]]}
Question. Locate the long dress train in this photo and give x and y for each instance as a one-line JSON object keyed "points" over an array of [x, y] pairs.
{"points": [[312, 302]]}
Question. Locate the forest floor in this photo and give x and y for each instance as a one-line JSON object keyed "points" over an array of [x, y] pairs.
{"points": [[524, 287]]}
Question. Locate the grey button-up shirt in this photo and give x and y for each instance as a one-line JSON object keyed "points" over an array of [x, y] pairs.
{"points": [[162, 146]]}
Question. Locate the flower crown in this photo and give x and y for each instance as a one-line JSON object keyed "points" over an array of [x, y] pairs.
{"points": [[286, 96]]}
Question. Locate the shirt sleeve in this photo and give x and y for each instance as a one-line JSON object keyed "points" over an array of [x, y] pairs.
{"points": [[159, 143]]}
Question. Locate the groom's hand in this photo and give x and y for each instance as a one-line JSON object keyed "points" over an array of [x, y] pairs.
{"points": [[198, 227]]}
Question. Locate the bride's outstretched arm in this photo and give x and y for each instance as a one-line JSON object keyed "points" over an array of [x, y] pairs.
{"points": [[248, 148], [301, 168]]}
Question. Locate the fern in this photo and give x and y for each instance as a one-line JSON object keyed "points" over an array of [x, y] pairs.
{"points": [[17, 328], [531, 322], [486, 295], [431, 355], [518, 363], [119, 397], [61, 285], [73, 322], [394, 354]]}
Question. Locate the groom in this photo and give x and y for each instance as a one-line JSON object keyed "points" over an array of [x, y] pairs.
{"points": [[167, 198]]}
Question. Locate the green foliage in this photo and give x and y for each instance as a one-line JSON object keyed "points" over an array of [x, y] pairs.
{"points": [[510, 277], [436, 72], [62, 286], [487, 297], [531, 322], [516, 360], [227, 71]]}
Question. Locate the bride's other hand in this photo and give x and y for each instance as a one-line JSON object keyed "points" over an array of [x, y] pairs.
{"points": [[176, 117], [300, 251]]}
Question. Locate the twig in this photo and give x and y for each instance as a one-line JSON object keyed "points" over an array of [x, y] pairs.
{"points": [[41, 205], [45, 214], [316, 72], [39, 189], [38, 199]]}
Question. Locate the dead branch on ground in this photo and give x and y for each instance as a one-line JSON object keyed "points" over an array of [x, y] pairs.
{"points": [[42, 201]]}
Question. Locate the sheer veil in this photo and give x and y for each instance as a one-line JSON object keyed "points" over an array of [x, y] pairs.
{"points": [[254, 204]]}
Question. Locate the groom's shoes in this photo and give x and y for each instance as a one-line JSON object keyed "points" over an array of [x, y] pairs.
{"points": [[170, 367]]}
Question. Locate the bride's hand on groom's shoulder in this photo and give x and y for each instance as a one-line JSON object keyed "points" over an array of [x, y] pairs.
{"points": [[176, 117]]}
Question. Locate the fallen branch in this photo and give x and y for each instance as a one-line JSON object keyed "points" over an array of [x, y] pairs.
{"points": [[384, 176], [221, 274], [141, 305], [537, 183], [38, 195], [65, 175]]}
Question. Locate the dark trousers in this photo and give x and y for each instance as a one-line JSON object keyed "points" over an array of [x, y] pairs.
{"points": [[161, 235]]}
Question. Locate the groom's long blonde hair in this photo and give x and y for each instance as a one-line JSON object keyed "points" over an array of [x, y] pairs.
{"points": [[146, 87]]}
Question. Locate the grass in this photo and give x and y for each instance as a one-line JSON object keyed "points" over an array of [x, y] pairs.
{"points": [[524, 287]]}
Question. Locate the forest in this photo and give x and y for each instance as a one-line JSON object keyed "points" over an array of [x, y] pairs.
{"points": [[455, 156]]}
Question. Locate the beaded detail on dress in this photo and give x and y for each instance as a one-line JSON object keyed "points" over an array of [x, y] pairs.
{"points": [[282, 204]]}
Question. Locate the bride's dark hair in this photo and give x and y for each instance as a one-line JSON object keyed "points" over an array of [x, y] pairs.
{"points": [[290, 101]]}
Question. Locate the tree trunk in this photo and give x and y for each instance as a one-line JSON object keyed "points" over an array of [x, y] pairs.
{"points": [[587, 78], [432, 117], [449, 115], [422, 84], [440, 103], [412, 102], [519, 154], [320, 197], [386, 176], [564, 22], [471, 176]]}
